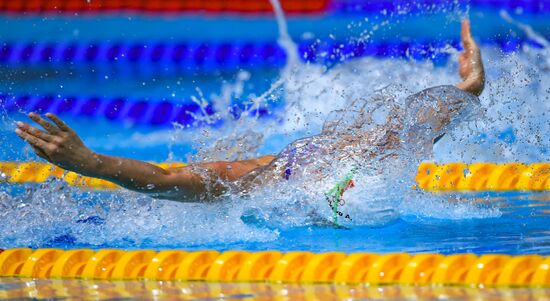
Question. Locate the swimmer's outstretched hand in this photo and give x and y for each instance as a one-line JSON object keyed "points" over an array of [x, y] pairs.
{"points": [[470, 64], [57, 143], [61, 146]]}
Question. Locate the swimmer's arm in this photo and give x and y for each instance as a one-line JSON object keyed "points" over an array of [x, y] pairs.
{"points": [[470, 64], [180, 184], [61, 146], [472, 73], [186, 179]]}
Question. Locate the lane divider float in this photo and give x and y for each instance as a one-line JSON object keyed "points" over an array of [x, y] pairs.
{"points": [[431, 176], [251, 7], [162, 6], [206, 57], [135, 111], [160, 112], [185, 57], [276, 267], [484, 176], [390, 6], [38, 172]]}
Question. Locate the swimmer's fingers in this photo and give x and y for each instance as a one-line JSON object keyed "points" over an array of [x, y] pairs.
{"points": [[466, 35], [35, 132], [46, 125], [40, 153], [58, 122], [32, 140]]}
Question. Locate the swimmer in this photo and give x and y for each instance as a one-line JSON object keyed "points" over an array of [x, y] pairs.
{"points": [[421, 121]]}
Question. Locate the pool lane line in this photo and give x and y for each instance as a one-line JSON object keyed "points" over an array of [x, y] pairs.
{"points": [[187, 57], [495, 270], [447, 177], [118, 109], [38, 172], [302, 7], [484, 176], [216, 7]]}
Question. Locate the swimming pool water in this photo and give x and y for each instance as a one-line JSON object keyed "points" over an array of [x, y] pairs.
{"points": [[514, 128], [510, 223]]}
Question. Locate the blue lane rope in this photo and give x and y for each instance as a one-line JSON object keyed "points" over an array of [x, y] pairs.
{"points": [[160, 113], [392, 6], [190, 58]]}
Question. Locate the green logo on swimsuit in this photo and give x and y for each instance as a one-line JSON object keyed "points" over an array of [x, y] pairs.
{"points": [[335, 195]]}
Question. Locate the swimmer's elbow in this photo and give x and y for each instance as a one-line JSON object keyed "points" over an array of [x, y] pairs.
{"points": [[176, 184], [472, 86]]}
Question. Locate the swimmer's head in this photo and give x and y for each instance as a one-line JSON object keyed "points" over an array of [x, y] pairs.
{"points": [[453, 108], [435, 111]]}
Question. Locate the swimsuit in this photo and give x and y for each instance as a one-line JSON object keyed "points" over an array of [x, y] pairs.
{"points": [[297, 154], [289, 163]]}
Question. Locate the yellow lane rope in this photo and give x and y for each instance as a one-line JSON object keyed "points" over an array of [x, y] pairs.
{"points": [[430, 176], [38, 172], [484, 176], [277, 267]]}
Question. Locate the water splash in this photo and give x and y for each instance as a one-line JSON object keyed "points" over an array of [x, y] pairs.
{"points": [[532, 35], [514, 129], [284, 38]]}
